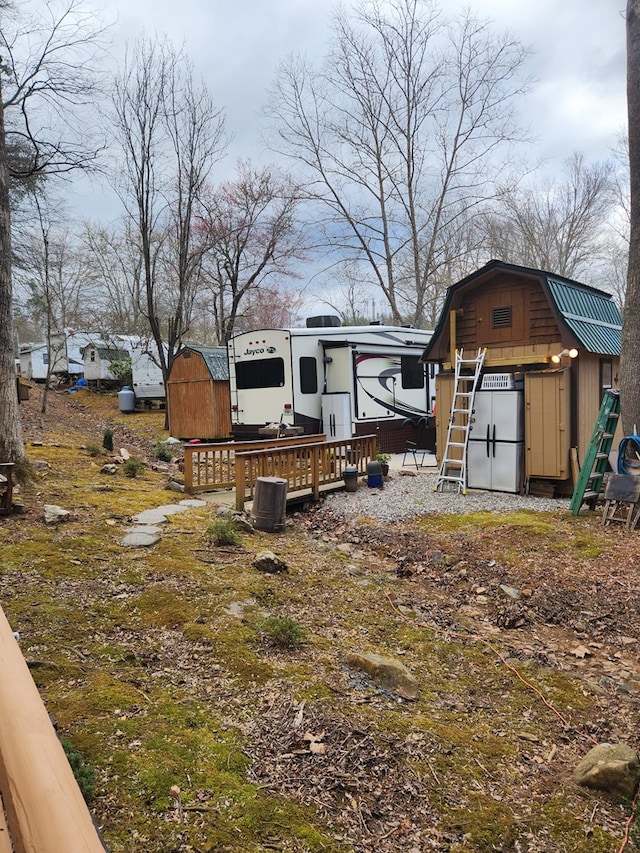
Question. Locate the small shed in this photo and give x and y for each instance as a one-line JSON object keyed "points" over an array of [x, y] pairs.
{"points": [[557, 339], [98, 356], [198, 395]]}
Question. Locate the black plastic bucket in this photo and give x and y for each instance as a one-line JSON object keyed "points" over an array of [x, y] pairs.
{"points": [[375, 480]]}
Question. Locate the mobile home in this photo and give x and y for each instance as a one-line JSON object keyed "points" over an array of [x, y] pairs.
{"points": [[340, 380]]}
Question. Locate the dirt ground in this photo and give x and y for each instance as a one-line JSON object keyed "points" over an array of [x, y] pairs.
{"points": [[524, 632]]}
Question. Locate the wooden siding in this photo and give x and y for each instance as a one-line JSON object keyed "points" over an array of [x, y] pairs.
{"points": [[199, 407], [532, 318], [547, 410], [590, 399]]}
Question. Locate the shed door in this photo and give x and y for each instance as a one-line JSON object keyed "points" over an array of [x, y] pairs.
{"points": [[547, 423]]}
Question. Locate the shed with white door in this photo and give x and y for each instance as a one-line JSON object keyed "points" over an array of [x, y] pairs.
{"points": [[555, 339]]}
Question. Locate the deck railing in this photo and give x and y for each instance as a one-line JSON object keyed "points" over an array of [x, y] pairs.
{"points": [[211, 467], [307, 468], [41, 807]]}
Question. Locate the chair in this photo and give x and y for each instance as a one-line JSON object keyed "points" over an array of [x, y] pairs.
{"points": [[412, 449], [6, 487]]}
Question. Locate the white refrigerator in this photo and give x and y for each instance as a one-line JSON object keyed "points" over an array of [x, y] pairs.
{"points": [[495, 453]]}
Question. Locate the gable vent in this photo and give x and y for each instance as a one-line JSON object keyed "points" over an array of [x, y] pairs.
{"points": [[501, 317]]}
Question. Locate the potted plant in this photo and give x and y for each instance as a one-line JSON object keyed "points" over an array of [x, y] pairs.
{"points": [[383, 459]]}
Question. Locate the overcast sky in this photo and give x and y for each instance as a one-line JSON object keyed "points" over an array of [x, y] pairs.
{"points": [[578, 101]]}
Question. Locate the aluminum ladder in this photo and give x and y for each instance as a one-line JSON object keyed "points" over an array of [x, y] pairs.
{"points": [[453, 468], [589, 483]]}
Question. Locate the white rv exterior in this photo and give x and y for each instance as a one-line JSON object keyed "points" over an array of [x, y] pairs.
{"points": [[148, 382], [341, 380]]}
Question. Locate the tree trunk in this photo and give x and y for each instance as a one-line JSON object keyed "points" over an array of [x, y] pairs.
{"points": [[630, 360], [11, 444]]}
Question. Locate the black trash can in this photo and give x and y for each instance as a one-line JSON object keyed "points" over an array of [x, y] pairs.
{"points": [[350, 477], [269, 509]]}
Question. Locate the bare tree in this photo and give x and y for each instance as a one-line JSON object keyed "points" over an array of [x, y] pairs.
{"points": [[171, 136], [252, 242], [49, 71], [52, 278], [399, 137], [630, 360], [559, 226]]}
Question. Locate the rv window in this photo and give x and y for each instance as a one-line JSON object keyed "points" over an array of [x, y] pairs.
{"points": [[412, 372], [263, 373], [308, 375]]}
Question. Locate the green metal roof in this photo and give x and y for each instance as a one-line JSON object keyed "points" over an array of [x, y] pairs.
{"points": [[591, 315], [216, 360]]}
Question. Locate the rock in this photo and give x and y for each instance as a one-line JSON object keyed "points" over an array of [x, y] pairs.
{"points": [[511, 591], [172, 486], [387, 672], [266, 561], [139, 540], [407, 472], [109, 468], [176, 478], [18, 508], [102, 487], [54, 514], [192, 502], [612, 767], [124, 454], [150, 516]]}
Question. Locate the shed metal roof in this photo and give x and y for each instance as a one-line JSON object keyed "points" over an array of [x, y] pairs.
{"points": [[215, 359], [591, 315]]}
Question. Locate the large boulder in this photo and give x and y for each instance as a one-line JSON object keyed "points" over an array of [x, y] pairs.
{"points": [[387, 672], [612, 767]]}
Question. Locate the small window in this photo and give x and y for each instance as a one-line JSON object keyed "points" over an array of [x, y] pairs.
{"points": [[186, 353], [45, 358], [501, 317], [92, 355], [412, 372], [308, 375], [606, 375]]}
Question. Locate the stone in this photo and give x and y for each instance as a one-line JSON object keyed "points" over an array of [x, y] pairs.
{"points": [[53, 514], [109, 468], [172, 509], [150, 516], [102, 487], [150, 529], [192, 502], [124, 454], [387, 672], [611, 767], [139, 540], [268, 562], [172, 486]]}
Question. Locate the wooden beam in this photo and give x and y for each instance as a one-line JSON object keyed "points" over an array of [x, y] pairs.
{"points": [[45, 809]]}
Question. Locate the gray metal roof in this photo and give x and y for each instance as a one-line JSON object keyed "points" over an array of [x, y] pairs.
{"points": [[216, 360], [591, 315]]}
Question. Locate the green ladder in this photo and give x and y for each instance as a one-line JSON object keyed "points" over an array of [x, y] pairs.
{"points": [[594, 466]]}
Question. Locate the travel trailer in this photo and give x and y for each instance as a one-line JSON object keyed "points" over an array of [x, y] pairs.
{"points": [[339, 380], [148, 382]]}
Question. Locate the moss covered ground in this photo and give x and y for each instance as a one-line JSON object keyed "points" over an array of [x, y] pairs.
{"points": [[159, 665]]}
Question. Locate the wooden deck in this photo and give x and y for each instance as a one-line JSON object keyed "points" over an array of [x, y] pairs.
{"points": [[309, 464]]}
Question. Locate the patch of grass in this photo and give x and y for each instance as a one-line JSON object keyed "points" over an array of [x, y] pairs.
{"points": [[84, 775], [133, 467], [283, 632], [223, 531], [93, 450], [162, 451]]}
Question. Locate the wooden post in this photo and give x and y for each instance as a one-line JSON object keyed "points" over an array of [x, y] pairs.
{"points": [[188, 469], [45, 809]]}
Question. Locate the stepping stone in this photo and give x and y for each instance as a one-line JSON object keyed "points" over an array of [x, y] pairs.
{"points": [[150, 516], [192, 502], [172, 509], [139, 540], [147, 529]]}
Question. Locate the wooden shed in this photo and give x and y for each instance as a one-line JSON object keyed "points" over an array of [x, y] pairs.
{"points": [[555, 338], [198, 394]]}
